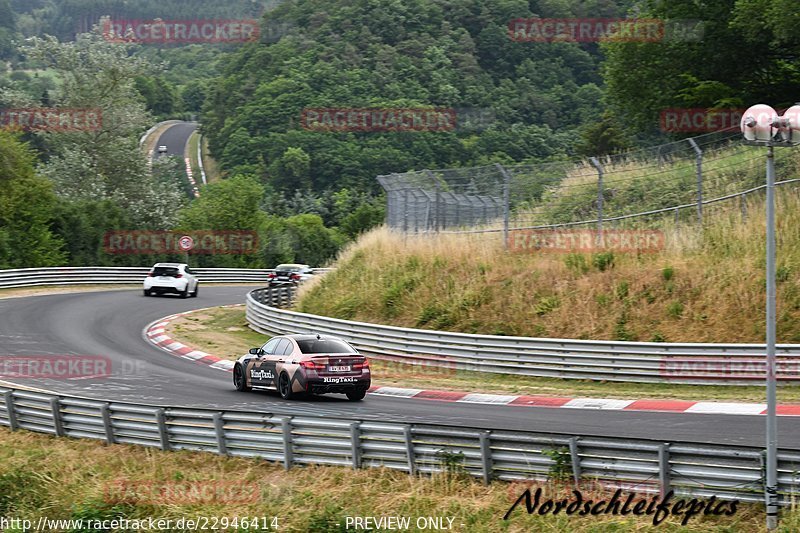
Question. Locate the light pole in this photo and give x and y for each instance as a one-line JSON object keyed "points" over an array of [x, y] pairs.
{"points": [[762, 126]]}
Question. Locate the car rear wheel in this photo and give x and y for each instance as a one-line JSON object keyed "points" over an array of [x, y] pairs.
{"points": [[185, 292], [147, 292], [239, 379], [196, 290], [356, 395], [285, 387]]}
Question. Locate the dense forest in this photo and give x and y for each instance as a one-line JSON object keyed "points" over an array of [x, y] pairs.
{"points": [[314, 190]]}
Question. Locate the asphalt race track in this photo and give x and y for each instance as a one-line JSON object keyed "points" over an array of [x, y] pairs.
{"points": [[111, 324], [175, 139]]}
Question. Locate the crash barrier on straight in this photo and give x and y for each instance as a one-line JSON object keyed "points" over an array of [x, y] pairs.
{"points": [[645, 466], [645, 362], [31, 277]]}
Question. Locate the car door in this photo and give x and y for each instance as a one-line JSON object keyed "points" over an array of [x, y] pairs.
{"points": [[273, 360], [261, 370]]}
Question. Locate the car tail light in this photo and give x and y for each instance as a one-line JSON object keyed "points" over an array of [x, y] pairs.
{"points": [[150, 275], [178, 275], [362, 365], [296, 277], [312, 365], [272, 275]]}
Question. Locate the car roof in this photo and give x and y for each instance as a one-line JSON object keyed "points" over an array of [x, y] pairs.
{"points": [[292, 265], [175, 265]]}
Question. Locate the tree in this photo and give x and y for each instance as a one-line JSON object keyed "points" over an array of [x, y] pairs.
{"points": [[103, 163], [228, 205], [26, 206]]}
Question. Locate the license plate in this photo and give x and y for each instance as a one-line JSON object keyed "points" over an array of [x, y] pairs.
{"points": [[339, 368]]}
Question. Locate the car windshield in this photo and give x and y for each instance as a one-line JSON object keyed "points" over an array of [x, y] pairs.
{"points": [[165, 271], [289, 268], [324, 346]]}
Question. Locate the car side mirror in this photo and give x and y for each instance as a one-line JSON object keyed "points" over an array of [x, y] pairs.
{"points": [[256, 351]]}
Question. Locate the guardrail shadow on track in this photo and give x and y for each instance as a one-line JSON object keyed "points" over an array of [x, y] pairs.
{"points": [[730, 472]]}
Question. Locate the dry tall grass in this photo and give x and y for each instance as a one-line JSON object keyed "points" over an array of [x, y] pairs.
{"points": [[70, 479], [704, 286]]}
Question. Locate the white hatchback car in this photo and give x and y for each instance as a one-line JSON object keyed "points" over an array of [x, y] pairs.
{"points": [[176, 278]]}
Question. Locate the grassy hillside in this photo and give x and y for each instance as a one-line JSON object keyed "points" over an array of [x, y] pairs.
{"points": [[704, 286]]}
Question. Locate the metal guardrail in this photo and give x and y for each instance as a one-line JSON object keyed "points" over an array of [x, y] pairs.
{"points": [[30, 277], [646, 362], [730, 472]]}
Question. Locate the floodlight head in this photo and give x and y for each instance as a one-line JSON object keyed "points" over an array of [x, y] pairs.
{"points": [[790, 131], [756, 123]]}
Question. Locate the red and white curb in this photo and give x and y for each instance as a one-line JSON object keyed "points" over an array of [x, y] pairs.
{"points": [[602, 404], [156, 334]]}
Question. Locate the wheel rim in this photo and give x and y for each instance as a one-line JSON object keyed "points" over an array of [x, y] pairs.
{"points": [[237, 374], [284, 383]]}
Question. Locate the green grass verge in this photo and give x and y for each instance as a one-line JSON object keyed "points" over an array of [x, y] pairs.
{"points": [[66, 478]]}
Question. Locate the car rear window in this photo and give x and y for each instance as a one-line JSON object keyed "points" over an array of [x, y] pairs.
{"points": [[165, 271], [324, 346], [287, 268]]}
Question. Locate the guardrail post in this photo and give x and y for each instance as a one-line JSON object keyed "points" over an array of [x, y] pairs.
{"points": [[8, 397], [409, 439], [288, 454], [219, 430], [55, 408], [355, 444], [576, 460], [699, 162], [663, 468], [486, 456], [109, 429], [163, 433]]}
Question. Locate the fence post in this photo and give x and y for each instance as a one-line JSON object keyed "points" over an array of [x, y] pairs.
{"points": [[576, 460], [105, 414], [355, 444], [663, 468], [409, 439], [484, 440], [288, 454], [743, 206], [405, 210], [219, 430], [163, 433], [506, 201], [596, 164], [55, 407], [699, 155], [8, 398]]}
